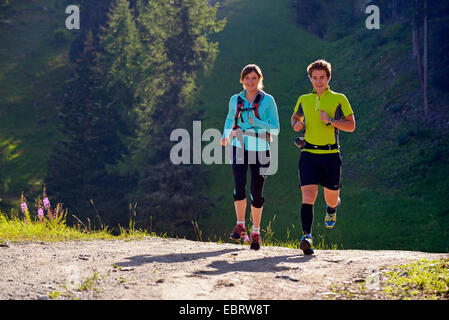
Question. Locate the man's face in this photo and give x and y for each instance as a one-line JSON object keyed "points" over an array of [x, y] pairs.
{"points": [[319, 80]]}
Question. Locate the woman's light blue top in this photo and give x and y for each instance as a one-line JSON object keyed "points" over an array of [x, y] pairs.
{"points": [[268, 122]]}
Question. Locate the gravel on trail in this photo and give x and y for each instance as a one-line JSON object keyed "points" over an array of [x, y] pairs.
{"points": [[171, 269]]}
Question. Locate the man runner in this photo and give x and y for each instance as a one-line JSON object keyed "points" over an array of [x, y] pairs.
{"points": [[323, 113]]}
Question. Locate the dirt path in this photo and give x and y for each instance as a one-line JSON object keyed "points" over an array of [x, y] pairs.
{"points": [[156, 268]]}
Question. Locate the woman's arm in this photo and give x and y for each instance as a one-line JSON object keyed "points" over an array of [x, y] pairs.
{"points": [[229, 123]]}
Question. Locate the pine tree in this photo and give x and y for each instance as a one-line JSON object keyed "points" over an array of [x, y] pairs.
{"points": [[153, 21], [122, 104], [120, 47], [93, 16], [179, 39], [88, 143], [123, 61]]}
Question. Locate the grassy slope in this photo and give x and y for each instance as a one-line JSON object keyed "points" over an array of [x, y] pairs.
{"points": [[261, 33], [32, 74], [372, 215]]}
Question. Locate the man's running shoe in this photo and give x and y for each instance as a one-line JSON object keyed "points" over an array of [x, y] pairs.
{"points": [[238, 233], [331, 218], [256, 241], [306, 244]]}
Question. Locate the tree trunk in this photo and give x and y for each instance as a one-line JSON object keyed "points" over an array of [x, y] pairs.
{"points": [[418, 54], [426, 106], [394, 9], [417, 49]]}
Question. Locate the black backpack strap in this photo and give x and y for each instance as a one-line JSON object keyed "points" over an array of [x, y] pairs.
{"points": [[238, 112], [237, 132]]}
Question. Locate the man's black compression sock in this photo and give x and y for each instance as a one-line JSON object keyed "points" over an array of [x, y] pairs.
{"points": [[331, 210], [307, 217]]}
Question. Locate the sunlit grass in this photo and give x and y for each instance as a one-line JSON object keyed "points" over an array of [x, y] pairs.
{"points": [[292, 239], [420, 280], [49, 224], [423, 279], [16, 229]]}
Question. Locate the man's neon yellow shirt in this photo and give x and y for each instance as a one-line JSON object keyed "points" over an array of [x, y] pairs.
{"points": [[309, 106]]}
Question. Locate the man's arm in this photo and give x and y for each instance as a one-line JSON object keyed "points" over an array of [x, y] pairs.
{"points": [[297, 122], [347, 124], [294, 119]]}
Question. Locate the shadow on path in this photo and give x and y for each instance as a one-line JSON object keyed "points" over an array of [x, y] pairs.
{"points": [[172, 258], [266, 264]]}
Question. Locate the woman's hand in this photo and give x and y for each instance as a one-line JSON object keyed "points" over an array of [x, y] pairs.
{"points": [[225, 141]]}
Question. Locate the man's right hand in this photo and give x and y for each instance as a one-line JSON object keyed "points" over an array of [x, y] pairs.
{"points": [[298, 126]]}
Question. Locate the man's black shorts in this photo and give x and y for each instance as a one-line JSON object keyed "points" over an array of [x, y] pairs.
{"points": [[323, 169]]}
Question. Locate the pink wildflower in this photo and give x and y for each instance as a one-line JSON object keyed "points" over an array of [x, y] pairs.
{"points": [[24, 207], [40, 213], [46, 203]]}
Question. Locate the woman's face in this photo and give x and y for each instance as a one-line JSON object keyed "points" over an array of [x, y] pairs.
{"points": [[251, 81]]}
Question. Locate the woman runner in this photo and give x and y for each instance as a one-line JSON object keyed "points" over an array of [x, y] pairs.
{"points": [[252, 119]]}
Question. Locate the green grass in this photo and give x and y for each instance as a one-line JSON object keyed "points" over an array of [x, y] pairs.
{"points": [[33, 70], [391, 199], [292, 238], [89, 282], [420, 280], [16, 229], [269, 38], [383, 206], [54, 294], [26, 225]]}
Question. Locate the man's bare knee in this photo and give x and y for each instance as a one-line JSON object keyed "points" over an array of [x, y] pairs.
{"points": [[331, 197], [309, 194]]}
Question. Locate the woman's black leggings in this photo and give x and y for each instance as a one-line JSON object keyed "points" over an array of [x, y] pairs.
{"points": [[258, 161]]}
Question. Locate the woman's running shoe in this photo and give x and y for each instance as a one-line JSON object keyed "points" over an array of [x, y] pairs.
{"points": [[256, 241], [238, 233]]}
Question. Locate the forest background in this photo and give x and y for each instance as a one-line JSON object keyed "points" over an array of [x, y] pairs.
{"points": [[88, 113]]}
